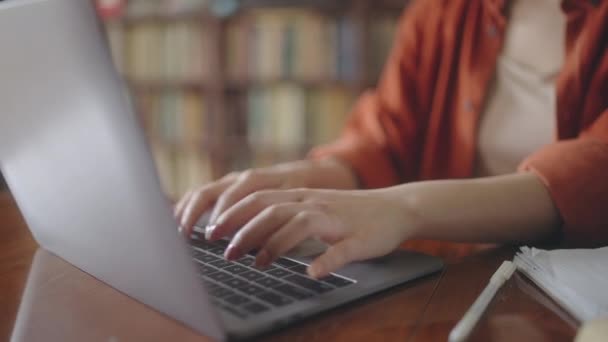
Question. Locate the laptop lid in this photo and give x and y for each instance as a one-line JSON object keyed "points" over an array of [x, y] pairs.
{"points": [[76, 161]]}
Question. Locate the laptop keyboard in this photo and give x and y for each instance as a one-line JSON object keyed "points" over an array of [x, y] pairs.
{"points": [[242, 290]]}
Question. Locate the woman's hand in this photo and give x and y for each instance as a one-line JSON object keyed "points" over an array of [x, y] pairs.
{"points": [[356, 224], [224, 193], [369, 223]]}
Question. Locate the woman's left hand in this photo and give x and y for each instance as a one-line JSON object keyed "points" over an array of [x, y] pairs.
{"points": [[358, 225]]}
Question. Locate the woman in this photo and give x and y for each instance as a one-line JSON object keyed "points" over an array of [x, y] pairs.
{"points": [[490, 124]]}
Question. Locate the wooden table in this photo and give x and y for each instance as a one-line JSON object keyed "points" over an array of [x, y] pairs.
{"points": [[62, 303]]}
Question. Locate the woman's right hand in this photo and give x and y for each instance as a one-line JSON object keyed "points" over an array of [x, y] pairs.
{"points": [[222, 194]]}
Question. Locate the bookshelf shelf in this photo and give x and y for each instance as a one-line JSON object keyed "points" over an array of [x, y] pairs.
{"points": [[331, 7], [262, 84], [318, 83], [161, 18], [237, 145], [163, 85], [338, 6], [242, 85]]}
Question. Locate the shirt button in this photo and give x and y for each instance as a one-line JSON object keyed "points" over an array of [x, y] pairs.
{"points": [[492, 31]]}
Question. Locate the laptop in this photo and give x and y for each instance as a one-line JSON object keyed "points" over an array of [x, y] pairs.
{"points": [[76, 160]]}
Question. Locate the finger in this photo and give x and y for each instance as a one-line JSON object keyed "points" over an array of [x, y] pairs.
{"points": [[246, 209], [336, 256], [302, 226], [257, 231], [199, 202], [178, 210], [247, 183]]}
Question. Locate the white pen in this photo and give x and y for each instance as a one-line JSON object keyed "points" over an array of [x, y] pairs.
{"points": [[463, 329]]}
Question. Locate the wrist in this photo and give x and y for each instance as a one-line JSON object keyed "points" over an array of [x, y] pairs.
{"points": [[407, 210], [323, 173]]}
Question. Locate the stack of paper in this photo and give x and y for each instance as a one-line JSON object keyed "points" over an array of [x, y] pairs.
{"points": [[577, 278]]}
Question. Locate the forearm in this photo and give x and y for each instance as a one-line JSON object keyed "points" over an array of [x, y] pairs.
{"points": [[328, 173], [502, 209]]}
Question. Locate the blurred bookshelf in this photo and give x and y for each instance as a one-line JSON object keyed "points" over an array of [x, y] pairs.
{"points": [[223, 85]]}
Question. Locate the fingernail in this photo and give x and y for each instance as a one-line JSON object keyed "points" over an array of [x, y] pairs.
{"points": [[213, 217], [183, 231], [209, 231], [232, 252], [262, 259]]}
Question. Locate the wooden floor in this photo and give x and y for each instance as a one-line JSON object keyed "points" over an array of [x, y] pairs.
{"points": [[17, 249]]}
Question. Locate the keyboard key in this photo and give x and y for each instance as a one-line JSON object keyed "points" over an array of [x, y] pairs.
{"points": [[255, 308], [221, 292], [198, 228], [286, 262], [235, 269], [268, 282], [274, 299], [233, 311], [309, 284], [217, 250], [251, 275], [196, 253], [220, 263], [220, 276], [235, 283], [292, 291], [236, 300], [247, 261], [202, 244], [222, 243], [251, 290], [279, 272], [337, 281], [300, 268], [211, 285], [206, 269], [205, 258]]}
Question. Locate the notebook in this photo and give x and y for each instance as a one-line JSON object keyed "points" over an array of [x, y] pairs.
{"points": [[575, 278]]}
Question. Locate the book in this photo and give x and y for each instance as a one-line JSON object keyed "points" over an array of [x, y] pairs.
{"points": [[327, 110], [148, 52], [176, 124], [290, 118], [181, 169], [285, 44], [146, 8], [382, 31], [574, 278]]}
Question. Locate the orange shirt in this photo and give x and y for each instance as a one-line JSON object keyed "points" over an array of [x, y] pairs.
{"points": [[421, 122]]}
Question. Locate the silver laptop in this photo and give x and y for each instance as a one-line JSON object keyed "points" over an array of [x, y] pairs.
{"points": [[76, 160]]}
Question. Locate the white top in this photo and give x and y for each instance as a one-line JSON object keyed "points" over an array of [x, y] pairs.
{"points": [[520, 110]]}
